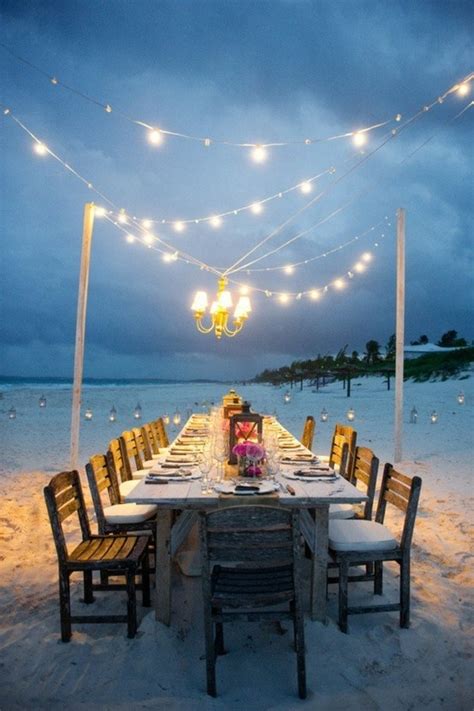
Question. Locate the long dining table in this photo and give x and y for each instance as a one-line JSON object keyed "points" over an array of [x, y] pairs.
{"points": [[179, 500]]}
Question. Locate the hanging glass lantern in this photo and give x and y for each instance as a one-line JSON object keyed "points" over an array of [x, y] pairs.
{"points": [[461, 398], [244, 426], [413, 416], [350, 414], [286, 397], [232, 403], [177, 417], [11, 413], [434, 417], [42, 401], [88, 414], [166, 419], [112, 414], [324, 415], [137, 413]]}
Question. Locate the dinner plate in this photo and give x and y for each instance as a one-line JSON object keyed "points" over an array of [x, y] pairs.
{"points": [[228, 487]]}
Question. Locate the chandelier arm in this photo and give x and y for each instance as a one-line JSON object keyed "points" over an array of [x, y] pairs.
{"points": [[203, 329], [231, 333]]}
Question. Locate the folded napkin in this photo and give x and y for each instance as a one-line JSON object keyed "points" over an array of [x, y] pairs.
{"points": [[298, 458], [316, 473], [171, 465], [167, 474]]}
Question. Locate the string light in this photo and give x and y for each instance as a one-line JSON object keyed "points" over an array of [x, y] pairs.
{"points": [[178, 226], [130, 238], [314, 294], [359, 139], [306, 187], [122, 218], [284, 298], [148, 238], [463, 89], [359, 267], [100, 211], [40, 149], [289, 269], [155, 137], [256, 208], [215, 221], [146, 224], [367, 257], [339, 284], [259, 154]]}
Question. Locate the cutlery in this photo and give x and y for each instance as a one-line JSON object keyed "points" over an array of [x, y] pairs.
{"points": [[290, 490]]}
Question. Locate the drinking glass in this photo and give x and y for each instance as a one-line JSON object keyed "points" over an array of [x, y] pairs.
{"points": [[204, 468], [220, 454]]}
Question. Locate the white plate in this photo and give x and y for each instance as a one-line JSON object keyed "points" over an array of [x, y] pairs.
{"points": [[265, 487]]}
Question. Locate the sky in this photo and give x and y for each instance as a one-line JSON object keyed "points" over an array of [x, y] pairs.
{"points": [[237, 72]]}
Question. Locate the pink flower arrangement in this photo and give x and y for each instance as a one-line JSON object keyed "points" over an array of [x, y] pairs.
{"points": [[252, 453]]}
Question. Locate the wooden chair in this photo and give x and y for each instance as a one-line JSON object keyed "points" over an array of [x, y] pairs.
{"points": [[308, 432], [263, 547], [364, 542], [363, 476], [116, 517], [143, 446], [350, 435], [117, 555], [339, 455], [152, 439], [121, 465], [160, 432], [131, 452]]}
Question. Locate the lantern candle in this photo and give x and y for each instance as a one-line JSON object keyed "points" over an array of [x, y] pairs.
{"points": [[88, 414], [137, 413], [434, 417], [350, 415], [324, 415]]}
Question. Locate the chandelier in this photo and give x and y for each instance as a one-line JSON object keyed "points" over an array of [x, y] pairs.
{"points": [[220, 311]]}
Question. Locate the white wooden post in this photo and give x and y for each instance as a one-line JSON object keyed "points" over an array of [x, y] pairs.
{"points": [[400, 334], [88, 225]]}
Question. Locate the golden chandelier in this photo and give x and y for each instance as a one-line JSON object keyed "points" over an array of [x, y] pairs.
{"points": [[220, 311]]}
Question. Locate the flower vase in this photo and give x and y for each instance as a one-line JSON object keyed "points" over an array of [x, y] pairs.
{"points": [[248, 467]]}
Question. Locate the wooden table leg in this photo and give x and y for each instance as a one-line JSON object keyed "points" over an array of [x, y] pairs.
{"points": [[163, 566], [319, 567]]}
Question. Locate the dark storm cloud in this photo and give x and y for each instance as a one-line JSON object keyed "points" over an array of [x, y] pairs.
{"points": [[238, 69]]}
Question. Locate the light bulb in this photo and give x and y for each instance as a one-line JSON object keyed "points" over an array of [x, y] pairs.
{"points": [[359, 138], [463, 89], [367, 257], [289, 269], [122, 218], [148, 238], [284, 298], [167, 257], [40, 149], [200, 301], [256, 208], [306, 187], [224, 299], [130, 239], [314, 294], [259, 154], [215, 221], [244, 290], [339, 283], [359, 267], [155, 137], [100, 211], [178, 226], [146, 224]]}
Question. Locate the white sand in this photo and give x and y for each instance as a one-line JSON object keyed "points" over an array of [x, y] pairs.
{"points": [[376, 666]]}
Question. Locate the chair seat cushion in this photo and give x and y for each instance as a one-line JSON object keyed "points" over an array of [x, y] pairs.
{"points": [[341, 511], [127, 486], [360, 536], [140, 473], [129, 513]]}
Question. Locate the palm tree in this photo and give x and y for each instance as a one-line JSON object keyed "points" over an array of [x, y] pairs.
{"points": [[372, 352]]}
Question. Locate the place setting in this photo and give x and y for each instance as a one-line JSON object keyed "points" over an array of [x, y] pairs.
{"points": [[255, 487]]}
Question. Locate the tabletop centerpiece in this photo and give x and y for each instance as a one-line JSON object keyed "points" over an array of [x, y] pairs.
{"points": [[250, 456]]}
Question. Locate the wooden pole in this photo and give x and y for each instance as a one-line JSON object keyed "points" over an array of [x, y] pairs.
{"points": [[88, 225], [400, 334]]}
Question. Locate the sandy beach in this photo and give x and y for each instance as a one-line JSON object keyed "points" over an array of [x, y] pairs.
{"points": [[376, 666]]}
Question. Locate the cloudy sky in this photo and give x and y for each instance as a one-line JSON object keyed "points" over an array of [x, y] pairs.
{"points": [[241, 72]]}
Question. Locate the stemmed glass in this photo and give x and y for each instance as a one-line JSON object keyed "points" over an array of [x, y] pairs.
{"points": [[204, 463], [220, 454]]}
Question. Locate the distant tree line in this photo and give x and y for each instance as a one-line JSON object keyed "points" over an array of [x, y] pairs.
{"points": [[343, 365]]}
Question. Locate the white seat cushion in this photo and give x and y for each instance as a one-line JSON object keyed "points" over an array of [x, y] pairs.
{"points": [[140, 473], [129, 513], [126, 486], [360, 536], [341, 511], [148, 463]]}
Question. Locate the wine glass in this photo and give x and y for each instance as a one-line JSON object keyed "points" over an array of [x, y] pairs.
{"points": [[204, 463], [220, 454]]}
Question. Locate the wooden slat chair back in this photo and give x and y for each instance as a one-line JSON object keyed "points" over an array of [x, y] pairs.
{"points": [[263, 547], [351, 438], [116, 517], [143, 445], [308, 432], [364, 476], [339, 455], [120, 464], [118, 555], [153, 440], [354, 543], [160, 430], [130, 450]]}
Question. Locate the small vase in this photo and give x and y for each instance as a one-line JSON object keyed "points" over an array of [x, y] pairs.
{"points": [[248, 468]]}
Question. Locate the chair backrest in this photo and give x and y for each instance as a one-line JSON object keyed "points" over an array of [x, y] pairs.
{"points": [[142, 443], [64, 497], [153, 440], [130, 450], [339, 455], [102, 477], [351, 438], [253, 536], [118, 461], [364, 475], [403, 492], [308, 432], [160, 430]]}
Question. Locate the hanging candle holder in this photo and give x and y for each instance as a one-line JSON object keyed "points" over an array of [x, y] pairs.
{"points": [[112, 414], [324, 415], [434, 417], [166, 419], [176, 417], [461, 398], [137, 413], [413, 416], [42, 401], [286, 398], [11, 413], [88, 414], [351, 414]]}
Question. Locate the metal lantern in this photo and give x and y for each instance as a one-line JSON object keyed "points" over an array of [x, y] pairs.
{"points": [[324, 415], [461, 398], [11, 413], [112, 414], [286, 397], [137, 413], [413, 416], [232, 404], [166, 419], [434, 417], [42, 401], [88, 414], [244, 426], [350, 414], [177, 417]]}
